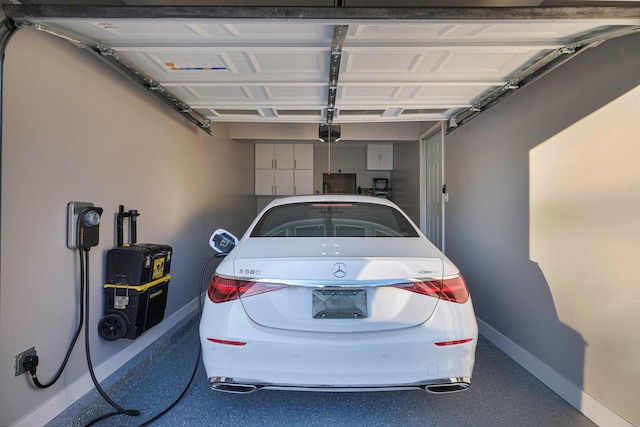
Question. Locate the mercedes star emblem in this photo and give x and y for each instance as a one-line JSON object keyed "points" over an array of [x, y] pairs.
{"points": [[339, 270]]}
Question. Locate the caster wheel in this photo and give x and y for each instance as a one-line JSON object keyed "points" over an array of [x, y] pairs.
{"points": [[112, 327]]}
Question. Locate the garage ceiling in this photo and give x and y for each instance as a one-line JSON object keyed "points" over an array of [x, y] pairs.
{"points": [[331, 64]]}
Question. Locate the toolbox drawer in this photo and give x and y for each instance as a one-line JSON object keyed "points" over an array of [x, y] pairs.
{"points": [[142, 306]]}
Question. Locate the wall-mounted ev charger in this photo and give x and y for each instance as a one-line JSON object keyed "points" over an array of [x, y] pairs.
{"points": [[83, 221]]}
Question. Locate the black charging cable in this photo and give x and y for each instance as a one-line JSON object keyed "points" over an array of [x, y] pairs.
{"points": [[30, 363], [195, 367], [193, 373], [119, 409]]}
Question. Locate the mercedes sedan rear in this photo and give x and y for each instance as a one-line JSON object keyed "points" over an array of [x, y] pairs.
{"points": [[336, 293]]}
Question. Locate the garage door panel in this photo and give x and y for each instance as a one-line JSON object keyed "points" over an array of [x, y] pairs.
{"points": [[220, 94], [469, 33], [411, 94], [309, 61], [283, 33], [166, 32], [186, 65], [281, 68], [498, 63]]}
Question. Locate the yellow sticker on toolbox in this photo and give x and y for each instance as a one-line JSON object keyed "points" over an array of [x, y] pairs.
{"points": [[158, 268]]}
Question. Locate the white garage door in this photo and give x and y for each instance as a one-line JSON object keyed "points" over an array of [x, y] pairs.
{"points": [[330, 65]]}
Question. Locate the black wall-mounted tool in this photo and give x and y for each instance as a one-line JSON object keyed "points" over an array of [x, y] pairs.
{"points": [[83, 221]]}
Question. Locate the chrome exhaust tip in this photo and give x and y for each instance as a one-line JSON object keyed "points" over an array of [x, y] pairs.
{"points": [[227, 386], [446, 388], [234, 388]]}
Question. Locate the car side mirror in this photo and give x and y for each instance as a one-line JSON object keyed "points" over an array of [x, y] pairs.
{"points": [[222, 242]]}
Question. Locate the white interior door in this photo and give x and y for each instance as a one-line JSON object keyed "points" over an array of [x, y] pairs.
{"points": [[433, 164]]}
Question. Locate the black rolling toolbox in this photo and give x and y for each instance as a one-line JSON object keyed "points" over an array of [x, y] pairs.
{"points": [[136, 289]]}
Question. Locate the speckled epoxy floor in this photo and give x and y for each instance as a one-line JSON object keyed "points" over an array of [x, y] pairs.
{"points": [[502, 394]]}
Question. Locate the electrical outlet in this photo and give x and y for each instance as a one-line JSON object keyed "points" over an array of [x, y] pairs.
{"points": [[20, 359]]}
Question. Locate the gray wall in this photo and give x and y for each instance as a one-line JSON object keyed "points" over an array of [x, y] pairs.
{"points": [[405, 179], [73, 130], [543, 222], [344, 159]]}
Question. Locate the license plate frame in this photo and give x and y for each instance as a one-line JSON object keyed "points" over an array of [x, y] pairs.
{"points": [[339, 304]]}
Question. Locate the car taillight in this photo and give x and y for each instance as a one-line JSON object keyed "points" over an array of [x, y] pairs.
{"points": [[222, 289], [455, 290], [430, 288], [452, 290]]}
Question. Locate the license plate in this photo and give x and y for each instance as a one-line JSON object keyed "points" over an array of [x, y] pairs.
{"points": [[339, 304]]}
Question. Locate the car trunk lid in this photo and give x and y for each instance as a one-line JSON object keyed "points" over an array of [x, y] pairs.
{"points": [[332, 287]]}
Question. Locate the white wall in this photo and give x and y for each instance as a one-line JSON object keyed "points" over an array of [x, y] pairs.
{"points": [[74, 130], [402, 131], [543, 222]]}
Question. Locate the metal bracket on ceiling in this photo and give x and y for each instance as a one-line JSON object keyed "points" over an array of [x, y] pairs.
{"points": [[7, 28], [537, 70], [337, 42], [105, 51]]}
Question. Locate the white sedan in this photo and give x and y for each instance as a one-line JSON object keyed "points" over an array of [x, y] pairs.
{"points": [[336, 293]]}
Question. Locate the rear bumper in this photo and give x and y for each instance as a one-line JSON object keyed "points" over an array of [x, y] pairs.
{"points": [[240, 386], [270, 358]]}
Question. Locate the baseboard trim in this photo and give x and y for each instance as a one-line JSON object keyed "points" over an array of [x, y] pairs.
{"points": [[576, 397], [76, 390]]}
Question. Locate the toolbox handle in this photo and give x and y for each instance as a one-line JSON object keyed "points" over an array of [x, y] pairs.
{"points": [[133, 225]]}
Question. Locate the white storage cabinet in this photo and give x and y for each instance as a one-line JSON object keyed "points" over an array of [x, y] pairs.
{"points": [[283, 169], [379, 157]]}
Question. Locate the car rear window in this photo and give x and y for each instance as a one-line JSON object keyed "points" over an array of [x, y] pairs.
{"points": [[333, 220]]}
